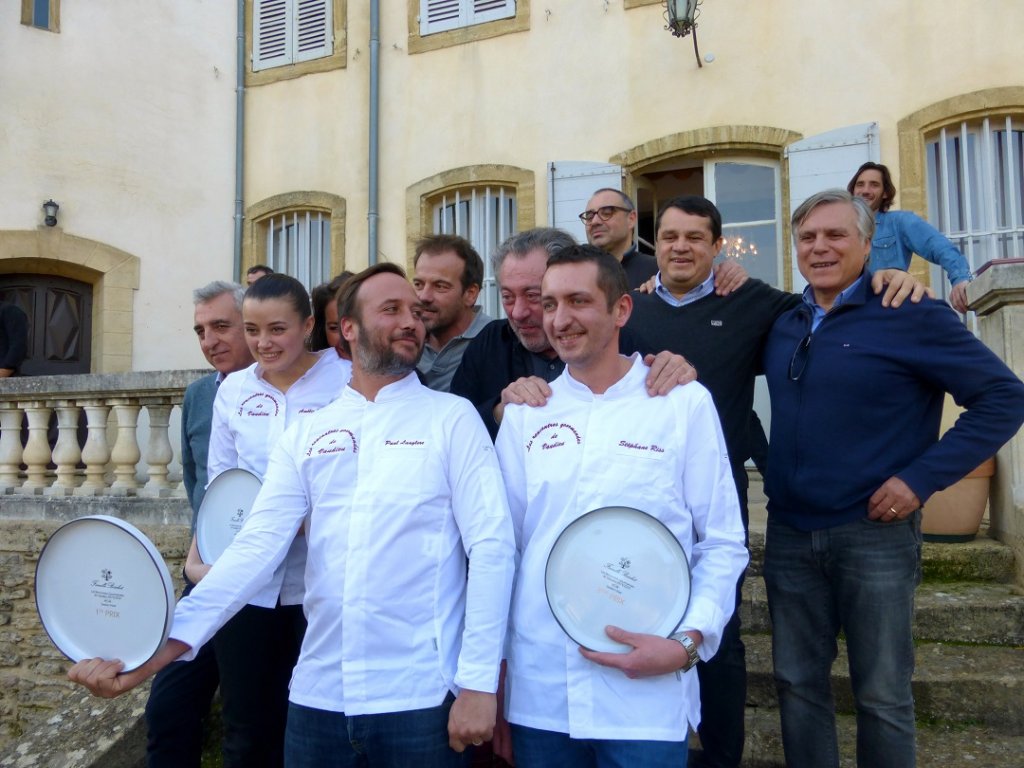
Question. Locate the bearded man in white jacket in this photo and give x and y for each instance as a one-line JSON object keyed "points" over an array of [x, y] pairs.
{"points": [[410, 562]]}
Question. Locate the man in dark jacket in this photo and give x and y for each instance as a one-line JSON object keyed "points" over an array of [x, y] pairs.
{"points": [[857, 394]]}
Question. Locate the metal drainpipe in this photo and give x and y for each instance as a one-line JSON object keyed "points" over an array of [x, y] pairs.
{"points": [[239, 134], [374, 144]]}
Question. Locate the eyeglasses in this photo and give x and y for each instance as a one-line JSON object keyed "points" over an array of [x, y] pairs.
{"points": [[798, 363], [605, 212]]}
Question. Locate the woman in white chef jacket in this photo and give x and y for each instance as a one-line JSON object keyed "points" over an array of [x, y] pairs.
{"points": [[257, 649]]}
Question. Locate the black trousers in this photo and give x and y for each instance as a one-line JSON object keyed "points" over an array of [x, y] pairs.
{"points": [[179, 701], [256, 652]]}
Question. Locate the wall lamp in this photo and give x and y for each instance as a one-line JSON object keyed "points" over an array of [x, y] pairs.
{"points": [[51, 209], [682, 20]]}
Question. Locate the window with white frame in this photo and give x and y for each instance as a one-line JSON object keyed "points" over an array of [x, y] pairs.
{"points": [[443, 15], [299, 244], [291, 31], [975, 193], [486, 216]]}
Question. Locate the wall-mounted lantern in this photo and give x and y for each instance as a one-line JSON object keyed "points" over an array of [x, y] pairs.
{"points": [[51, 209]]}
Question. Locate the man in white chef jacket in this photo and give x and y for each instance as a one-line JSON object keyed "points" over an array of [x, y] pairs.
{"points": [[398, 486], [601, 441]]}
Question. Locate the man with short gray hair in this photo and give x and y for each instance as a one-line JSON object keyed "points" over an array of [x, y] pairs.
{"points": [[180, 697], [857, 394]]}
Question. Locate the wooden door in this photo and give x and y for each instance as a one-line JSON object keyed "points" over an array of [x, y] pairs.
{"points": [[59, 322]]}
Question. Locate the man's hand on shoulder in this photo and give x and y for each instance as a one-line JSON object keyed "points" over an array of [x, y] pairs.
{"points": [[529, 390], [471, 719], [898, 285], [668, 371], [651, 655], [729, 276]]}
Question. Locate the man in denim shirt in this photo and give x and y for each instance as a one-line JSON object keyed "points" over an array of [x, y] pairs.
{"points": [[900, 234]]}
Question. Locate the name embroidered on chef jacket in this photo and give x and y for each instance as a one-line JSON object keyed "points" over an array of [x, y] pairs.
{"points": [[406, 444], [259, 404], [333, 441]]}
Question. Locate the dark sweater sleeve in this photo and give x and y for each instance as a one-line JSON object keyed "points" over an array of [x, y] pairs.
{"points": [[478, 379], [15, 331]]}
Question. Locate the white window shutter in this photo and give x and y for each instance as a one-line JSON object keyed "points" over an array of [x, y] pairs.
{"points": [[314, 30], [826, 161], [490, 10], [572, 184], [272, 34], [441, 15]]}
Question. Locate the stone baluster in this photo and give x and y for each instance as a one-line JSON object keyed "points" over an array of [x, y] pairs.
{"points": [[66, 453], [96, 453], [159, 453], [125, 455], [37, 448], [10, 447]]}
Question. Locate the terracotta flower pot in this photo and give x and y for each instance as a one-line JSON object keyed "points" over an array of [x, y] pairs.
{"points": [[955, 514]]}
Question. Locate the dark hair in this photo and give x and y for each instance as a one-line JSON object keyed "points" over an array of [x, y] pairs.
{"points": [[695, 205], [888, 188], [281, 286], [472, 264], [611, 277], [348, 294], [259, 268], [322, 295], [627, 201]]}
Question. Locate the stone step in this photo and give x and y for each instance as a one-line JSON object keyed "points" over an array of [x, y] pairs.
{"points": [[982, 559], [953, 684], [957, 744], [973, 612]]}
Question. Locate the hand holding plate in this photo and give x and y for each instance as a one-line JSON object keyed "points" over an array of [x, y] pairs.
{"points": [[651, 655]]}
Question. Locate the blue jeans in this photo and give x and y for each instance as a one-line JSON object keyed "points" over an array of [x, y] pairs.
{"points": [[858, 578], [316, 738], [534, 748]]}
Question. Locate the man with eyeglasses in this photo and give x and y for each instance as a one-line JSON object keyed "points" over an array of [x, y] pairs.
{"points": [[610, 219], [857, 395], [723, 337]]}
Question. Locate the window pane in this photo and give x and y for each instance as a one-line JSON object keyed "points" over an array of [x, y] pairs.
{"points": [[299, 244], [486, 216], [745, 192], [975, 187], [41, 14], [755, 247]]}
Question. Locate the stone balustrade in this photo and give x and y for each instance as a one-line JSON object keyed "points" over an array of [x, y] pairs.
{"points": [[41, 447]]}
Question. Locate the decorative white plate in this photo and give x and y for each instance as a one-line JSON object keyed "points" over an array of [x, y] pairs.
{"points": [[222, 514], [103, 590], [621, 566]]}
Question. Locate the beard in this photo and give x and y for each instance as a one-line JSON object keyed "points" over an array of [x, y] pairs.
{"points": [[376, 356]]}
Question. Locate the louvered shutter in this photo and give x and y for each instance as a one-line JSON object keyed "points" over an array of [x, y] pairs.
{"points": [[490, 10], [314, 30], [272, 34], [442, 15]]}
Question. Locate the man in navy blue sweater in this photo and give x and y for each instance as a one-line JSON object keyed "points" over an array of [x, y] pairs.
{"points": [[857, 395]]}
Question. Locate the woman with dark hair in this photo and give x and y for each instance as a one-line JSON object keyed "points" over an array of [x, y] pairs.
{"points": [[325, 314], [257, 649], [901, 234]]}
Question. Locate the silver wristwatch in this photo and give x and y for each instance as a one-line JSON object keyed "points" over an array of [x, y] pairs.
{"points": [[690, 647]]}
